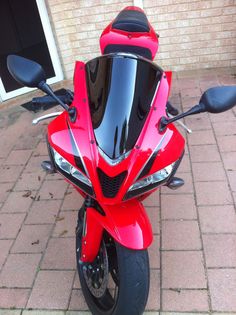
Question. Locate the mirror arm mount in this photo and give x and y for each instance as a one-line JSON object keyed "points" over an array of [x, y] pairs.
{"points": [[43, 86], [164, 122]]}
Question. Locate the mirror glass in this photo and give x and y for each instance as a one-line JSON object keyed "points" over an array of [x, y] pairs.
{"points": [[26, 72], [219, 99]]}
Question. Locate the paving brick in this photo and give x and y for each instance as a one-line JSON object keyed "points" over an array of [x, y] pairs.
{"points": [[178, 207], [229, 159], [180, 235], [43, 211], [227, 143], [191, 92], [32, 239], [77, 301], [217, 219], [210, 171], [234, 196], [54, 176], [198, 122], [66, 224], [10, 173], [152, 200], [213, 193], [188, 102], [232, 179], [41, 149], [53, 189], [153, 302], [220, 250], [9, 312], [13, 298], [201, 137], [26, 142], [17, 202], [29, 181], [185, 300], [19, 270], [222, 283], [183, 269], [153, 214], [204, 153], [5, 189], [154, 253], [185, 164], [34, 163], [226, 128], [72, 201], [5, 246], [60, 254], [10, 224], [44, 312], [18, 157], [76, 284], [51, 290], [223, 117]]}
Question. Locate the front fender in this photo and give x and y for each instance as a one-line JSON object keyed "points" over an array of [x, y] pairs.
{"points": [[127, 223]]}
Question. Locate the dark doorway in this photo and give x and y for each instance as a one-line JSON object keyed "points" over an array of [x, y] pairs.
{"points": [[21, 33]]}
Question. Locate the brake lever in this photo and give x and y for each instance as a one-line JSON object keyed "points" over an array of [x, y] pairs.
{"points": [[41, 118]]}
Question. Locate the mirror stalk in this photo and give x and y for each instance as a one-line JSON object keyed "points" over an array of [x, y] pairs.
{"points": [[43, 86], [164, 122]]}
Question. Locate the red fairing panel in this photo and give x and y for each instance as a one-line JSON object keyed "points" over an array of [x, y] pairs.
{"points": [[127, 223], [172, 143], [169, 79], [119, 37]]}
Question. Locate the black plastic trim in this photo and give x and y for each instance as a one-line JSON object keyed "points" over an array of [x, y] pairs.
{"points": [[148, 166], [77, 157], [137, 50], [110, 185]]}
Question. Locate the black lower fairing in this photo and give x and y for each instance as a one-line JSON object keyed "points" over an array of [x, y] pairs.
{"points": [[120, 90]]}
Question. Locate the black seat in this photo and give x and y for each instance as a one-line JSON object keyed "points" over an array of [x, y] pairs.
{"points": [[131, 21]]}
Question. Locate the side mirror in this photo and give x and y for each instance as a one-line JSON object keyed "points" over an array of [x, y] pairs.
{"points": [[214, 100], [31, 74], [25, 71], [218, 99]]}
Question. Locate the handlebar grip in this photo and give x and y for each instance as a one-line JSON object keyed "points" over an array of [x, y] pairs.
{"points": [[44, 100], [67, 98]]}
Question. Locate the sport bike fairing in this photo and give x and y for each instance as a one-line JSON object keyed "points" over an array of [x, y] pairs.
{"points": [[120, 92], [126, 131]]}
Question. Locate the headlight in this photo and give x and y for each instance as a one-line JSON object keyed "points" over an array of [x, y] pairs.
{"points": [[150, 182], [154, 178], [64, 165], [72, 173]]}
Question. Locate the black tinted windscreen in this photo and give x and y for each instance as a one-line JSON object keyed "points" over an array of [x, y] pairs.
{"points": [[120, 91]]}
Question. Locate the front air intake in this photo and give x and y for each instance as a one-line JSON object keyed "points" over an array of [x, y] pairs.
{"points": [[110, 185]]}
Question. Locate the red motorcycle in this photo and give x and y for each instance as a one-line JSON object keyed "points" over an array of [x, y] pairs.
{"points": [[116, 143]]}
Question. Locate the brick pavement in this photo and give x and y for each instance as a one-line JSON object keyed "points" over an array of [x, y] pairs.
{"points": [[193, 257]]}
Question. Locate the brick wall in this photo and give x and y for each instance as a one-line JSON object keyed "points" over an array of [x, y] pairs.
{"points": [[193, 33]]}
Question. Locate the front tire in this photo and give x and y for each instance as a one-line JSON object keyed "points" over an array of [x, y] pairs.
{"points": [[127, 288]]}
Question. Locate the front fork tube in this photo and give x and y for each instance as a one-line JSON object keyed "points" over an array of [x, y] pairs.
{"points": [[92, 235]]}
